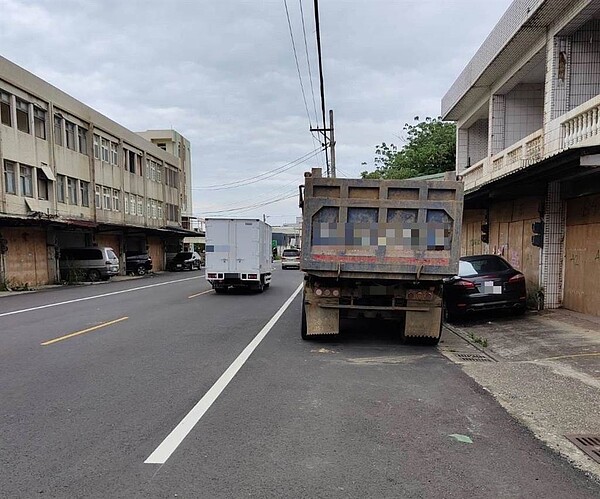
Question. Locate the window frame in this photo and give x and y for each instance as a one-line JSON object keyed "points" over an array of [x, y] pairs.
{"points": [[39, 122], [106, 198], [84, 191], [98, 196], [20, 111], [57, 123], [72, 189], [26, 180], [116, 198], [43, 185], [82, 140], [70, 132], [5, 108], [61, 193], [12, 173]]}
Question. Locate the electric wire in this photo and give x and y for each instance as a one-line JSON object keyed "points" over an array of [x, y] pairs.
{"points": [[287, 13], [262, 176]]}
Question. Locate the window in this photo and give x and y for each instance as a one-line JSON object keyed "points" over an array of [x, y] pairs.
{"points": [[148, 209], [22, 116], [138, 164], [42, 185], [104, 150], [26, 176], [148, 168], [162, 145], [132, 204], [96, 146], [10, 179], [82, 140], [84, 189], [39, 123], [140, 207], [5, 110], [159, 174], [60, 188], [58, 138], [70, 134], [116, 200], [106, 195], [153, 209], [160, 210], [126, 203], [114, 156], [98, 198], [72, 190]]}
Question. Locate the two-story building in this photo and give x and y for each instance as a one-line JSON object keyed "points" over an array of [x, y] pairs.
{"points": [[527, 109], [71, 177]]}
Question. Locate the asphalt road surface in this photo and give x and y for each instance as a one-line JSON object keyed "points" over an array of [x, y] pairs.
{"points": [[158, 387]]}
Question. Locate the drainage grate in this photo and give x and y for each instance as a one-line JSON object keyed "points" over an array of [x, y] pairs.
{"points": [[590, 444], [473, 357]]}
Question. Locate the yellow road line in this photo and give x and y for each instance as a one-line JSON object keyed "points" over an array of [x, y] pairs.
{"points": [[83, 331], [198, 294]]}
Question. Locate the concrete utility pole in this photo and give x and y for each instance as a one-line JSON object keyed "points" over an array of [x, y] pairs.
{"points": [[332, 143]]}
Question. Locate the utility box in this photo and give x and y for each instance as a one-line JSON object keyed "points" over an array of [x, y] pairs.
{"points": [[378, 249], [238, 253]]}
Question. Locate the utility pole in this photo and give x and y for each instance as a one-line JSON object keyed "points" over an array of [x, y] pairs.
{"points": [[332, 143]]}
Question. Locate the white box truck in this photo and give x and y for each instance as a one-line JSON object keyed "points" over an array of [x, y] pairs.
{"points": [[238, 254]]}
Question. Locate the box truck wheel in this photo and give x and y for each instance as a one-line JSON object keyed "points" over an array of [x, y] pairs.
{"points": [[220, 291]]}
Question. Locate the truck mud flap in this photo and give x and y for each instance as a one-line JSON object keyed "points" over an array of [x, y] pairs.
{"points": [[426, 324], [319, 321]]}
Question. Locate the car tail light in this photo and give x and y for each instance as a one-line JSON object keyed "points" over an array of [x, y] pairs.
{"points": [[212, 276], [252, 276], [517, 278], [463, 283]]}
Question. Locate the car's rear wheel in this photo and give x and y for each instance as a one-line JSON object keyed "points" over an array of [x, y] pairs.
{"points": [[141, 270], [93, 275]]}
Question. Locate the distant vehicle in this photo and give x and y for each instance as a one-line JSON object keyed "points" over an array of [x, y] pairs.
{"points": [[484, 282], [290, 259], [186, 260], [91, 263], [137, 263], [238, 254]]}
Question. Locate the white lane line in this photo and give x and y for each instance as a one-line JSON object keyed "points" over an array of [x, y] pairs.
{"points": [[58, 304], [200, 294], [170, 444]]}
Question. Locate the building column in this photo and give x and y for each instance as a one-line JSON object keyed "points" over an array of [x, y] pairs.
{"points": [[462, 149], [553, 250], [497, 122], [558, 77]]}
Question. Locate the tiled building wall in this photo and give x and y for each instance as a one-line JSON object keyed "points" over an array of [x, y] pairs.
{"points": [[462, 149], [478, 142], [524, 112], [585, 64], [552, 256], [497, 116]]}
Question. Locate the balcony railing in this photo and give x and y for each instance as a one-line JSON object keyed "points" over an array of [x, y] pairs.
{"points": [[581, 124], [525, 152]]}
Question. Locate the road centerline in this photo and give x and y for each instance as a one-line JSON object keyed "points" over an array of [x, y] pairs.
{"points": [[178, 434], [83, 331]]}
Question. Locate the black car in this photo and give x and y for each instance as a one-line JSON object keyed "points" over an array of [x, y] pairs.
{"points": [[137, 263], [484, 282], [186, 260]]}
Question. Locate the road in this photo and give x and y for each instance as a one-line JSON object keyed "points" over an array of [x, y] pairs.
{"points": [[96, 381]]}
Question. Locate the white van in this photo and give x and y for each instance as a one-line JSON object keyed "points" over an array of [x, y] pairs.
{"points": [[92, 263]]}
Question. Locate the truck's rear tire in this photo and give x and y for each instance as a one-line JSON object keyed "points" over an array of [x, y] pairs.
{"points": [[220, 291], [430, 341]]}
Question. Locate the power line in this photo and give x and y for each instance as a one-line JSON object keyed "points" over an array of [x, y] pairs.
{"points": [[287, 13], [262, 176], [253, 206]]}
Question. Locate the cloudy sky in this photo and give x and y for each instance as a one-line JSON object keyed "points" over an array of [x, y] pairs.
{"points": [[223, 74]]}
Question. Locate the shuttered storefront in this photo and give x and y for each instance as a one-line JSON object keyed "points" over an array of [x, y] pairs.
{"points": [[582, 255]]}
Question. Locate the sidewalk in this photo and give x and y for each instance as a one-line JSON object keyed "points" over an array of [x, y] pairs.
{"points": [[546, 373]]}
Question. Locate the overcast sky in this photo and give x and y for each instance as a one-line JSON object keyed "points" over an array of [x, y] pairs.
{"points": [[223, 74]]}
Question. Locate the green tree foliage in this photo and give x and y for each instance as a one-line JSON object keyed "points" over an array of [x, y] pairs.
{"points": [[430, 148]]}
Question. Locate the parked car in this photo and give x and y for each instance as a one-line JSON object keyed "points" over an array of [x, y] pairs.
{"points": [[186, 260], [290, 259], [484, 282], [137, 263], [92, 263]]}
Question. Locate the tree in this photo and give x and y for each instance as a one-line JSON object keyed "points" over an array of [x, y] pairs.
{"points": [[430, 148]]}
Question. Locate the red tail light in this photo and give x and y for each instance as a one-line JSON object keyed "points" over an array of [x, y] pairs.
{"points": [[517, 278], [464, 284]]}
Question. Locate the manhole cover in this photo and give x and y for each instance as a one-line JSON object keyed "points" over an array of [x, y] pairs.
{"points": [[473, 357], [590, 444]]}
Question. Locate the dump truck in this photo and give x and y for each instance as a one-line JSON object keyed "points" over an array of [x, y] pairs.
{"points": [[238, 254], [378, 249]]}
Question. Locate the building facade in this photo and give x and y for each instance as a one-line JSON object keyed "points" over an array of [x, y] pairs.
{"points": [[527, 109], [71, 177]]}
